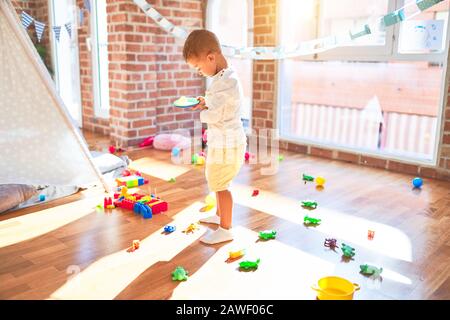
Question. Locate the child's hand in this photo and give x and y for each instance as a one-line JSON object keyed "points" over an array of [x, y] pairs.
{"points": [[201, 105]]}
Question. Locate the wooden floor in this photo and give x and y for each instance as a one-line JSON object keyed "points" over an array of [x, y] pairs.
{"points": [[68, 250]]}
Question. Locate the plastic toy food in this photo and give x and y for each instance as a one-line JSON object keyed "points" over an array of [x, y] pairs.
{"points": [[347, 251], [367, 269], [320, 181], [247, 265], [236, 254], [147, 142], [309, 204], [267, 234], [134, 246], [191, 228], [310, 220], [179, 274]]}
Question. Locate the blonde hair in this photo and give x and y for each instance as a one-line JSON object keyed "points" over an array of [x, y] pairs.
{"points": [[199, 42]]}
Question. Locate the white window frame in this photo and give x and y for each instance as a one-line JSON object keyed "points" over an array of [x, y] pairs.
{"points": [[358, 51], [55, 52], [394, 55], [101, 107], [247, 33]]}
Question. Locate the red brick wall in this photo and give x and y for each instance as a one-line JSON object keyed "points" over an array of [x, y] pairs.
{"points": [[147, 69], [264, 72]]}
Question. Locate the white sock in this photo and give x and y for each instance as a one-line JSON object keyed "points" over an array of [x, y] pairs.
{"points": [[211, 219], [220, 235]]}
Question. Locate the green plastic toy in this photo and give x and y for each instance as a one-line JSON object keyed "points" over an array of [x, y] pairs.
{"points": [[247, 265], [307, 178], [267, 234], [172, 180], [280, 158], [369, 270], [179, 274], [194, 158], [309, 204], [310, 220], [347, 251]]}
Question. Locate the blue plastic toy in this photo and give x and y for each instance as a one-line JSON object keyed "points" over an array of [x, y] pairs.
{"points": [[146, 212], [169, 228], [143, 210], [417, 182], [176, 151], [42, 197]]}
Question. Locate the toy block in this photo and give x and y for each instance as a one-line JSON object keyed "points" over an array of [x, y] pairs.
{"points": [[130, 181], [147, 212], [158, 206]]}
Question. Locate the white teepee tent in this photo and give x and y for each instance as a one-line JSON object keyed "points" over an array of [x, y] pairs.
{"points": [[39, 142]]}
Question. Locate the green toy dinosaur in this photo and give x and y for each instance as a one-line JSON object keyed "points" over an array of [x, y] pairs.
{"points": [[249, 264], [179, 274], [370, 270], [307, 178], [267, 234], [309, 204], [309, 220], [347, 251]]}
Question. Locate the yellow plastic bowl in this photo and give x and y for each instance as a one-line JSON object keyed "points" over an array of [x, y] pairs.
{"points": [[335, 288]]}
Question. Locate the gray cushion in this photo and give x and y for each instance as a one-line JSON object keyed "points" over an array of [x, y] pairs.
{"points": [[11, 195]]}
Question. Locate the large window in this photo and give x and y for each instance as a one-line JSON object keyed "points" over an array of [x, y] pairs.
{"points": [[382, 95], [100, 58], [232, 21]]}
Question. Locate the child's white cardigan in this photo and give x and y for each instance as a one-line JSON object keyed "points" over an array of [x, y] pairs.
{"points": [[223, 116]]}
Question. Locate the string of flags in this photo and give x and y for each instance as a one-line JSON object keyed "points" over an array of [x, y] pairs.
{"points": [[27, 20], [304, 48]]}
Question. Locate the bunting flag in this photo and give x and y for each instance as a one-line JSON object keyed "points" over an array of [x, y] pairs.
{"points": [[69, 29], [87, 5], [39, 29], [26, 19], [306, 47], [57, 31]]}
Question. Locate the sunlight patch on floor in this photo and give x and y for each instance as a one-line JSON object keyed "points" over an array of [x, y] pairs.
{"points": [[110, 275], [160, 169], [283, 273], [347, 228], [35, 224]]}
